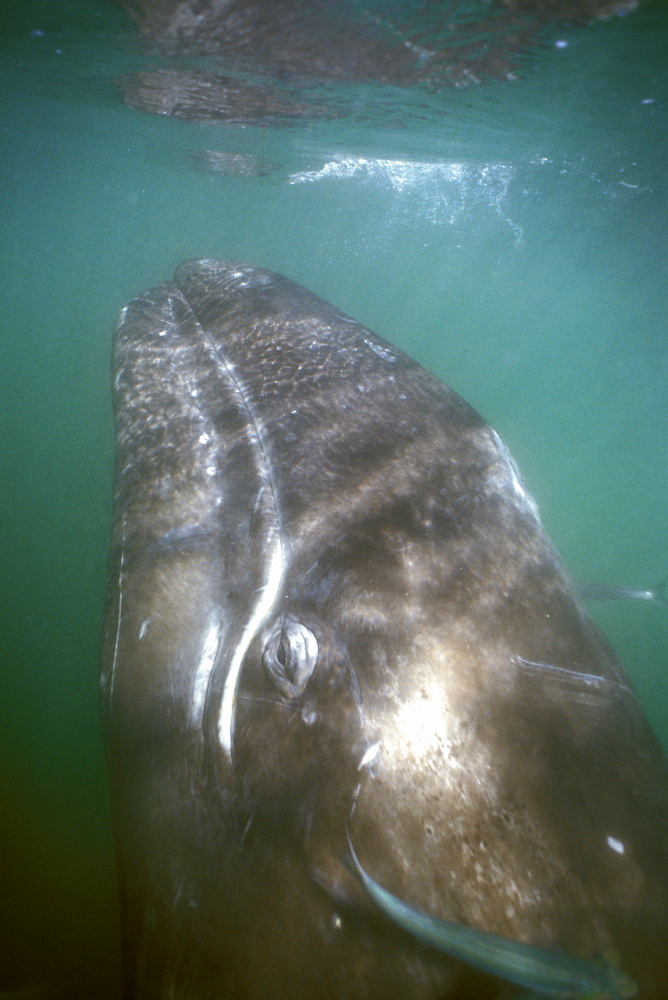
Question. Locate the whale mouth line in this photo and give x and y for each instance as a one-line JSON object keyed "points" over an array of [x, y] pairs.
{"points": [[547, 971]]}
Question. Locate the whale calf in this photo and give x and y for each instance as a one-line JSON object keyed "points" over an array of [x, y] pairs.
{"points": [[363, 739]]}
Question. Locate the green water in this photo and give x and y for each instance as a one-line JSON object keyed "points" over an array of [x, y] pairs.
{"points": [[512, 237]]}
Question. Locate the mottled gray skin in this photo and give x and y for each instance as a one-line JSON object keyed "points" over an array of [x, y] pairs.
{"points": [[280, 465]]}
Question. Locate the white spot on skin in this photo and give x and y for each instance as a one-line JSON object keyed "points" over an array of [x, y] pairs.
{"points": [[616, 845], [380, 351], [142, 628], [369, 757], [309, 716]]}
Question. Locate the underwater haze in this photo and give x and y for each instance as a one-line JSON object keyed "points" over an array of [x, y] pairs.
{"points": [[511, 236]]}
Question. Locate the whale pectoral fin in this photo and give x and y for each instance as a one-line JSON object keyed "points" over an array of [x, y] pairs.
{"points": [[546, 972]]}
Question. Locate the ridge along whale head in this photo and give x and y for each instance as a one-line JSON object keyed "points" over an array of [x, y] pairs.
{"points": [[332, 607]]}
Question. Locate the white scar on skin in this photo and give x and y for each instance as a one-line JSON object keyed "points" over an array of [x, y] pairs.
{"points": [[616, 845], [369, 756], [513, 477], [203, 672], [268, 595], [590, 680], [121, 573]]}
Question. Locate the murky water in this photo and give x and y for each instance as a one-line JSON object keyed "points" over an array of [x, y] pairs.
{"points": [[512, 237]]}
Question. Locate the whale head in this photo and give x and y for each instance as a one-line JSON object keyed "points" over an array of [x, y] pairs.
{"points": [[336, 629]]}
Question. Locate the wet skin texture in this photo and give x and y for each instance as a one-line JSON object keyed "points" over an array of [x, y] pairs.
{"points": [[332, 608]]}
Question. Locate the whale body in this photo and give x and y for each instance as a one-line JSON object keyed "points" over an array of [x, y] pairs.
{"points": [[363, 739]]}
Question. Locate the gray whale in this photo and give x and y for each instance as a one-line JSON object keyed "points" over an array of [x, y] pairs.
{"points": [[335, 623]]}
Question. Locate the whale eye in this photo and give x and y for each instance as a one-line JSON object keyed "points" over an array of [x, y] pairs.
{"points": [[290, 656]]}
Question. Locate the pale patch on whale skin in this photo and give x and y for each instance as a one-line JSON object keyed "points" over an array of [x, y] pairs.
{"points": [[203, 671]]}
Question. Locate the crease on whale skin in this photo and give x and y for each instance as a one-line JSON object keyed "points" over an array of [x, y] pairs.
{"points": [[268, 592], [274, 571], [197, 535]]}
